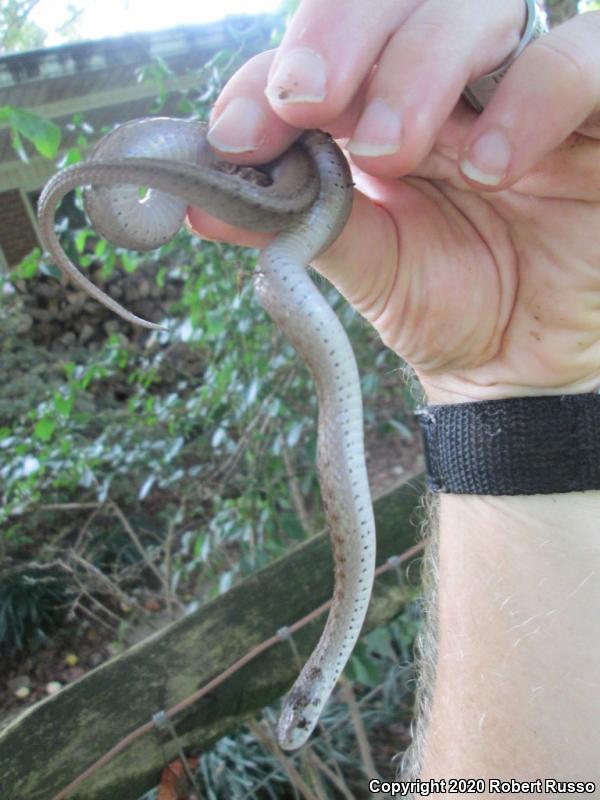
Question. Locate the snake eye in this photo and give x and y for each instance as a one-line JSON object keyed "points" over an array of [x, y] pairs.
{"points": [[302, 723]]}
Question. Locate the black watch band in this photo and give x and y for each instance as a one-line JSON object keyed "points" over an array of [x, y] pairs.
{"points": [[518, 446]]}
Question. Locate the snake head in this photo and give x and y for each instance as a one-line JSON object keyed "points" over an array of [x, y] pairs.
{"points": [[302, 708]]}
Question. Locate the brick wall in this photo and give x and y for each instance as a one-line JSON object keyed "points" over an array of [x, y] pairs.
{"points": [[17, 236]]}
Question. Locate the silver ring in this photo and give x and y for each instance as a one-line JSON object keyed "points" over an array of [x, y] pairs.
{"points": [[479, 93]]}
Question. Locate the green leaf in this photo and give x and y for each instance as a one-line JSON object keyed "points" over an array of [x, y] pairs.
{"points": [[108, 263], [361, 669], [146, 486], [17, 144], [63, 405], [215, 321], [218, 437], [29, 265], [30, 465], [74, 156], [252, 392], [44, 429], [51, 270], [379, 641], [42, 133], [185, 107], [199, 545], [293, 436], [80, 240], [129, 262]]}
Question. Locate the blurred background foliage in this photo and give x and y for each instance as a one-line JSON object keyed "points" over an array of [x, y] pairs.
{"points": [[143, 473], [19, 32]]}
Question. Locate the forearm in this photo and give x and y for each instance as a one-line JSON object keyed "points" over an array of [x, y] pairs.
{"points": [[517, 690]]}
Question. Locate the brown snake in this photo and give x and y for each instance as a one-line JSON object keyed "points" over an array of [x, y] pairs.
{"points": [[307, 202]]}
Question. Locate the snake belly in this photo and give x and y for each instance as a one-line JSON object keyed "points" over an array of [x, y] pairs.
{"points": [[308, 202]]}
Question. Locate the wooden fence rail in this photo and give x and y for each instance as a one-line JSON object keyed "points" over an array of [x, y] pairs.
{"points": [[50, 744]]}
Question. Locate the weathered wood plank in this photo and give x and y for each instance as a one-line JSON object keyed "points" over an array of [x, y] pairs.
{"points": [[50, 744]]}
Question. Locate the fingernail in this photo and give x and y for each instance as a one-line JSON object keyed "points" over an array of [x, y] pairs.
{"points": [[488, 158], [379, 130], [240, 127], [300, 77]]}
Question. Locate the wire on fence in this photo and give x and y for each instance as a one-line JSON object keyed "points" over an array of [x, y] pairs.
{"points": [[282, 634]]}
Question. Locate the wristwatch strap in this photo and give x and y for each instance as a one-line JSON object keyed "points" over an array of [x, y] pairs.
{"points": [[518, 446]]}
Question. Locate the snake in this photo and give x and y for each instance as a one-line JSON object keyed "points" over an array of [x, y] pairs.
{"points": [[305, 199]]}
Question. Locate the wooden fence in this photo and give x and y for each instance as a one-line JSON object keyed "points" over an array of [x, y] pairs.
{"points": [[51, 744]]}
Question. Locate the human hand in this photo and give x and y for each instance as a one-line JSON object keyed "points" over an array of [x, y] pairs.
{"points": [[481, 269]]}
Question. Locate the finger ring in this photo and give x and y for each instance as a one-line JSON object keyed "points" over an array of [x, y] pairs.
{"points": [[480, 91]]}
